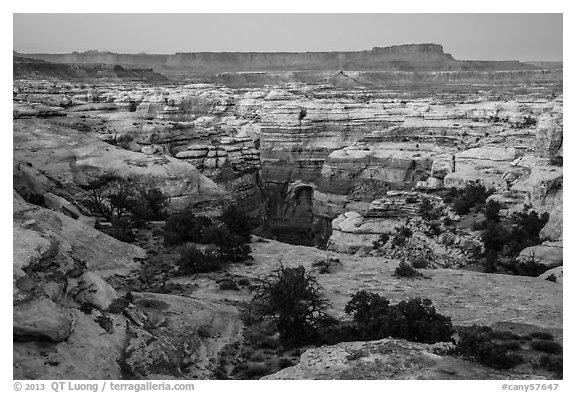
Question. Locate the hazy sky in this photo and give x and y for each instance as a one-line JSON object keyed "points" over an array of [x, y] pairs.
{"points": [[465, 36]]}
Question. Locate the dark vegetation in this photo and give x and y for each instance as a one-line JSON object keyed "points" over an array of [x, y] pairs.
{"points": [[289, 314], [463, 200], [488, 347], [227, 239], [404, 269], [292, 299], [503, 241], [413, 320], [126, 203], [428, 212], [503, 237]]}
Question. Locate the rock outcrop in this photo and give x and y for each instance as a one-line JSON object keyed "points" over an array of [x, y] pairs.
{"points": [[387, 359]]}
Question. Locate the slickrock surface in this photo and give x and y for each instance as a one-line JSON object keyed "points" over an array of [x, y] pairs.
{"points": [[387, 359], [467, 297], [64, 325]]}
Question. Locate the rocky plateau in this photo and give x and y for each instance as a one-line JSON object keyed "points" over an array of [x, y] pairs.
{"points": [[325, 156]]}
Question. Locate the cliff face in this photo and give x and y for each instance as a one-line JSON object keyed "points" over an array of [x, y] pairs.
{"points": [[415, 57]]}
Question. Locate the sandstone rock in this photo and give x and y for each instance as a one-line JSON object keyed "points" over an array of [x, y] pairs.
{"points": [[557, 273], [548, 253], [553, 230], [62, 205], [94, 291], [384, 360], [29, 247], [41, 319], [548, 136]]}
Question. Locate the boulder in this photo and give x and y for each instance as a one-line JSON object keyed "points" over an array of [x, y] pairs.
{"points": [[548, 253], [41, 319], [557, 273], [94, 291]]}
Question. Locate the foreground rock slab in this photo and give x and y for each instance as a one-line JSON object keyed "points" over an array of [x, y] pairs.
{"points": [[386, 359]]}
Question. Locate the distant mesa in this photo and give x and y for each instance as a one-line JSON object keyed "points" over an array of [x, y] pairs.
{"points": [[408, 58]]}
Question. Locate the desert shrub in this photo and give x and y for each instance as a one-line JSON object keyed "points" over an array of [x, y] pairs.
{"points": [[548, 346], [404, 269], [237, 222], [228, 285], [427, 210], [479, 225], [474, 194], [541, 335], [557, 161], [492, 211], [491, 261], [150, 204], [503, 335], [424, 323], [552, 363], [185, 226], [192, 260], [244, 282], [338, 332], [419, 263], [433, 229], [121, 229], [476, 344], [382, 240], [130, 201], [292, 299], [401, 235], [366, 307], [414, 320]]}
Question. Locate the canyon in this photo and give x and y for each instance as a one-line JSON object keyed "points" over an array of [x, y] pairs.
{"points": [[327, 152]]}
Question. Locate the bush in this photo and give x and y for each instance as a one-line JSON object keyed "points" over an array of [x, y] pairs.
{"points": [[237, 222], [121, 229], [150, 204], [414, 320], [381, 242], [185, 226], [229, 285], [542, 335], [477, 343], [192, 261], [474, 194], [366, 307], [292, 299], [492, 212], [404, 269], [552, 363], [419, 263], [401, 235], [428, 212], [551, 347]]}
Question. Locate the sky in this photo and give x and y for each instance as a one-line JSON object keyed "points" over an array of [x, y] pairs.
{"points": [[521, 37]]}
